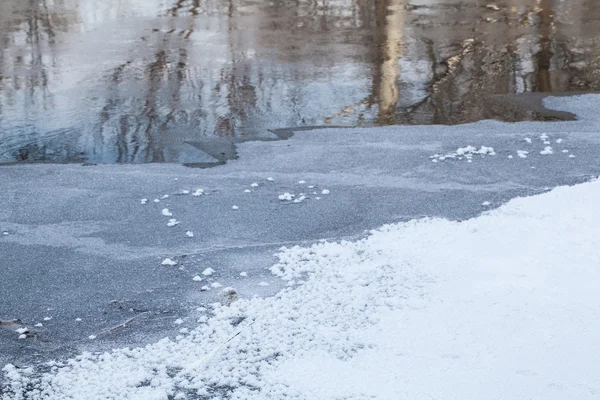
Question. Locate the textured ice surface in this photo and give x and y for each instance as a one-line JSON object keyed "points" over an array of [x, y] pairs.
{"points": [[80, 244]]}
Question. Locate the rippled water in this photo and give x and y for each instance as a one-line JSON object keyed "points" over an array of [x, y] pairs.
{"points": [[118, 81]]}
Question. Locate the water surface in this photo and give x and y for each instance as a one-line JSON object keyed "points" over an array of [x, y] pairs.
{"points": [[136, 81]]}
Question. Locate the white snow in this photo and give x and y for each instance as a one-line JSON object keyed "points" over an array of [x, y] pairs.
{"points": [[156, 200], [169, 262], [286, 196], [544, 136], [205, 288], [565, 151], [23, 336], [301, 182], [185, 191], [270, 179], [198, 192], [173, 222], [247, 191], [547, 150], [92, 337], [164, 196], [197, 278], [486, 203], [559, 141], [255, 184], [466, 152], [325, 191], [78, 319], [39, 325], [215, 285], [528, 140], [166, 212], [143, 201], [178, 321], [522, 153], [243, 273], [235, 208], [208, 272], [47, 318], [189, 234], [22, 330], [263, 283]]}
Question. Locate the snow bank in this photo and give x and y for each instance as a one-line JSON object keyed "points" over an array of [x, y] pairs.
{"points": [[503, 306]]}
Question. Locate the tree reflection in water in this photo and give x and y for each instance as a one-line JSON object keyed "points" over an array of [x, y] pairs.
{"points": [[159, 81]]}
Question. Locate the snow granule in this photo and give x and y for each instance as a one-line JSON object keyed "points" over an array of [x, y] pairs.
{"points": [[547, 150], [92, 337], [528, 140], [559, 141], [215, 285], [156, 200], [198, 192], [189, 234], [544, 136], [197, 278], [22, 330], [208, 272], [522, 153], [143, 201], [286, 196], [247, 191], [22, 336], [486, 203], [270, 179], [185, 192], [184, 330], [235, 208], [178, 321], [255, 184], [325, 191], [510, 156], [39, 325], [571, 156], [47, 318], [169, 262], [173, 222], [205, 288], [78, 319], [164, 196], [301, 182], [166, 212], [565, 151], [244, 274]]}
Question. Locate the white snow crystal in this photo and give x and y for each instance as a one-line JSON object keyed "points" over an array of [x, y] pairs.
{"points": [[172, 222], [178, 321], [311, 186], [143, 201], [166, 212], [317, 198], [169, 262], [244, 273], [286, 196], [325, 191], [184, 330], [208, 272], [547, 150]]}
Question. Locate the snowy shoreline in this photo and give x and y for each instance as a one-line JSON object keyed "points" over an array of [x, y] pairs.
{"points": [[504, 305], [499, 305]]}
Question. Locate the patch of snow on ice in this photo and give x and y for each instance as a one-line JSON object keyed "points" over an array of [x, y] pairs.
{"points": [[169, 262], [547, 151], [198, 192], [173, 222], [189, 234], [208, 272], [166, 212], [522, 153], [143, 201], [286, 196]]}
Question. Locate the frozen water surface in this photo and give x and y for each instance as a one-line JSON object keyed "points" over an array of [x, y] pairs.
{"points": [[80, 244]]}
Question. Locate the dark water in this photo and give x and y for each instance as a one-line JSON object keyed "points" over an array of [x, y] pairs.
{"points": [[119, 81]]}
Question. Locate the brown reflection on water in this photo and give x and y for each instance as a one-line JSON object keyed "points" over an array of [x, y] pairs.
{"points": [[158, 80]]}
